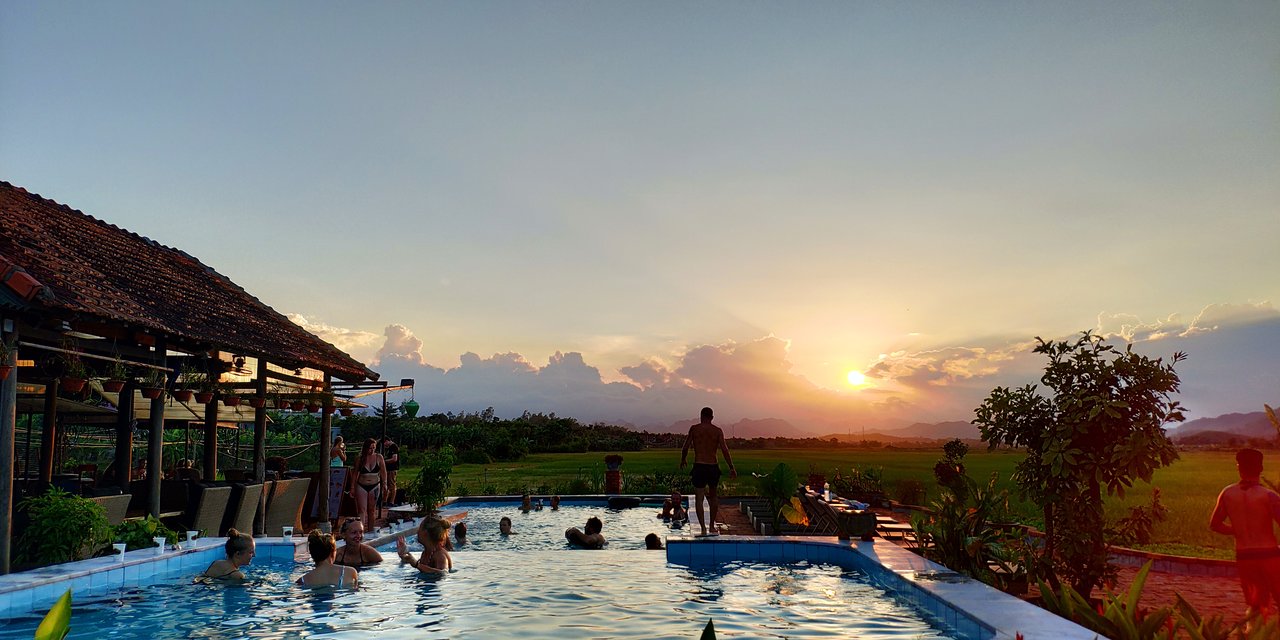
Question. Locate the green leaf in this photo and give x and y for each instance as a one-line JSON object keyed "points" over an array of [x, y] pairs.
{"points": [[56, 623], [709, 631]]}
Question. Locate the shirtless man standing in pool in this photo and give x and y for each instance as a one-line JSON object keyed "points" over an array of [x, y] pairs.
{"points": [[1251, 508], [706, 439]]}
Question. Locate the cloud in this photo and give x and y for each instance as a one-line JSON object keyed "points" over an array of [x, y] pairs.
{"points": [[400, 347], [647, 374], [946, 366], [358, 344], [1216, 316], [1131, 328]]}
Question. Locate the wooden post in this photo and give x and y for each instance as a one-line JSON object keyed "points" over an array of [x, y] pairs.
{"points": [[124, 437], [260, 449], [49, 432], [210, 471], [326, 443], [155, 445], [8, 422]]}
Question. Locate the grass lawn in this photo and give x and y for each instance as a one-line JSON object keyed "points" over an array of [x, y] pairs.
{"points": [[1188, 488]]}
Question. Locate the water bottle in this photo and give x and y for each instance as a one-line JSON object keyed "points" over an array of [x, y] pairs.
{"points": [[826, 491]]}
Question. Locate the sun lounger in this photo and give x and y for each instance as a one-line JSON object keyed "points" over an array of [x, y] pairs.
{"points": [[242, 508], [284, 506], [209, 505], [117, 507]]}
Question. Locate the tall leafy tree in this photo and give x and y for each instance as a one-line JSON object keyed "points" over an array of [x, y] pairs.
{"points": [[1097, 426]]}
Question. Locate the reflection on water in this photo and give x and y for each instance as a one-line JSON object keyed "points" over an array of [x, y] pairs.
{"points": [[529, 591]]}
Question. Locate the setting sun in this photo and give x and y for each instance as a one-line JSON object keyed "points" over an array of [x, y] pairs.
{"points": [[856, 378]]}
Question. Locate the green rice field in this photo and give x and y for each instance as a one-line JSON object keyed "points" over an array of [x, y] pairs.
{"points": [[1188, 488]]}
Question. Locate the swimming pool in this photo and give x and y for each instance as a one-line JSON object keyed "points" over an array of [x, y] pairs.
{"points": [[545, 589], [524, 586]]}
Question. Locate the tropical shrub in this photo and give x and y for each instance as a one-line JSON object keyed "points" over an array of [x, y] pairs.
{"points": [[909, 492], [1099, 428], [138, 534], [959, 533], [431, 485], [1117, 617], [1139, 525], [779, 488], [62, 528]]}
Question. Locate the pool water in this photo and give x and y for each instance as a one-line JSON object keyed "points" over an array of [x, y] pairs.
{"points": [[526, 586]]}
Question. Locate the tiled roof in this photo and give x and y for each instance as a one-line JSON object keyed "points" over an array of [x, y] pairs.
{"points": [[90, 268]]}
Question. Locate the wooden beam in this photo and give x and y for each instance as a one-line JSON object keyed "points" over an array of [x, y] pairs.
{"points": [[8, 423], [48, 433], [260, 449], [326, 443]]}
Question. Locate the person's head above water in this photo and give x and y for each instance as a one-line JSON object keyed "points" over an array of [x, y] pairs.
{"points": [[239, 547], [1249, 461], [707, 414], [460, 530], [594, 525], [321, 545], [652, 542], [504, 525], [352, 531]]}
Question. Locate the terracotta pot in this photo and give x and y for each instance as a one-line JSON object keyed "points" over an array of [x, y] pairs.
{"points": [[204, 397], [297, 405], [182, 395], [257, 403], [346, 412], [73, 385], [4, 370], [312, 408], [113, 386], [231, 401], [151, 393]]}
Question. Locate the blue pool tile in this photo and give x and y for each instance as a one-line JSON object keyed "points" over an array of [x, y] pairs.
{"points": [[771, 552], [748, 552]]}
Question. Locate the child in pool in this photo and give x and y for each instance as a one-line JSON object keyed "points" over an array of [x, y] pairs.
{"points": [[435, 559]]}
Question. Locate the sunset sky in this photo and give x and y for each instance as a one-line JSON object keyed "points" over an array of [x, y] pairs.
{"points": [[625, 211]]}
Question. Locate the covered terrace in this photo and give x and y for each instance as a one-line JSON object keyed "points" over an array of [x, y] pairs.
{"points": [[82, 300]]}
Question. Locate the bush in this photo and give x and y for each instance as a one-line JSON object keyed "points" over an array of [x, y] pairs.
{"points": [[63, 527], [910, 492], [138, 534], [429, 488]]}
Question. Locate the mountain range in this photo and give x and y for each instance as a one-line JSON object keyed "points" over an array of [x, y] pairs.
{"points": [[1208, 430]]}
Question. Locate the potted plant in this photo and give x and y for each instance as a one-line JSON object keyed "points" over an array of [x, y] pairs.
{"points": [[230, 396], [346, 411], [206, 387], [298, 405], [116, 374], [6, 350], [153, 383], [74, 374], [314, 401], [63, 527], [257, 402], [431, 485], [188, 379]]}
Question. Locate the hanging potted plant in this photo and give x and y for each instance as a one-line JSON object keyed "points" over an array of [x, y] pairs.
{"points": [[298, 404], [153, 383], [188, 379], [6, 350], [346, 411], [230, 396], [116, 373], [74, 374], [205, 388], [314, 401]]}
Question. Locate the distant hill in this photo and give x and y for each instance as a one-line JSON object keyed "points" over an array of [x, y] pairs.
{"points": [[746, 428], [1249, 425], [875, 436], [938, 431]]}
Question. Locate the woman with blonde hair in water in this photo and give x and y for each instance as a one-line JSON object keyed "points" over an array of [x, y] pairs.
{"points": [[240, 550]]}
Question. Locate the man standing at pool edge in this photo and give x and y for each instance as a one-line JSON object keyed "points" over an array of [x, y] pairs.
{"points": [[706, 439]]}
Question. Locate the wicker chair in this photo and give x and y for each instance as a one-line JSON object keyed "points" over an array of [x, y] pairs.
{"points": [[210, 507], [284, 506], [242, 509], [117, 507]]}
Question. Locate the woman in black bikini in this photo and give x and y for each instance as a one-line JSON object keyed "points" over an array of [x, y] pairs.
{"points": [[373, 477], [355, 553], [240, 551]]}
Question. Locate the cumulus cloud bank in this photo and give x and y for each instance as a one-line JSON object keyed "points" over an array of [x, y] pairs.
{"points": [[1234, 364]]}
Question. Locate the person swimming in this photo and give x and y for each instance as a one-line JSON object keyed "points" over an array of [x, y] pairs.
{"points": [[652, 542], [460, 534], [355, 553], [504, 526], [435, 559], [590, 537], [240, 550], [326, 574]]}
